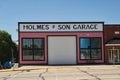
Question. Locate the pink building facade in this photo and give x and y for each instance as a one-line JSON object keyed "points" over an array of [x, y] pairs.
{"points": [[55, 43]]}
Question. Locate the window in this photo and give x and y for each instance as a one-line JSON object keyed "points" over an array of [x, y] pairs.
{"points": [[117, 32], [90, 48], [33, 49]]}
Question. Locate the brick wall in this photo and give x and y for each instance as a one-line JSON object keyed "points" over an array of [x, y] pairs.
{"points": [[109, 32]]}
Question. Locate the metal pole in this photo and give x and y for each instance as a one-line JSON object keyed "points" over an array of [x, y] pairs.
{"points": [[118, 54], [12, 57]]}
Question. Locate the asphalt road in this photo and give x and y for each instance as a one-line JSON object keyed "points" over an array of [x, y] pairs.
{"points": [[91, 72]]}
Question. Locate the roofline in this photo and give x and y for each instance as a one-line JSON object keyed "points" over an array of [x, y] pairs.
{"points": [[112, 44], [71, 23], [112, 24], [57, 22]]}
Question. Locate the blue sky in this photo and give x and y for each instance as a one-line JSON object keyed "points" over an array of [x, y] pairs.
{"points": [[14, 11]]}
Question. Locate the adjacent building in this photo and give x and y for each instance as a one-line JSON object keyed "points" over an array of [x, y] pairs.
{"points": [[112, 43]]}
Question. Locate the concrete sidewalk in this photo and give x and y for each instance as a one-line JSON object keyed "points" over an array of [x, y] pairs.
{"points": [[66, 67]]}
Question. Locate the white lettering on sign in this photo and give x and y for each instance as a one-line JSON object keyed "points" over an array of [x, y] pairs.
{"points": [[60, 27]]}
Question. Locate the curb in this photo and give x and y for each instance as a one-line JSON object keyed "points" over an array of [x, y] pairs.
{"points": [[27, 70]]}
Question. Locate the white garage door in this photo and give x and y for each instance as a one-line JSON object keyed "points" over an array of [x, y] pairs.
{"points": [[61, 50]]}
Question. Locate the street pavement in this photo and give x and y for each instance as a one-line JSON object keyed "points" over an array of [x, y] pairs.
{"points": [[77, 72]]}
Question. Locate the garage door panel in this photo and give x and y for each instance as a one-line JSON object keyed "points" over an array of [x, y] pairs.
{"points": [[61, 50]]}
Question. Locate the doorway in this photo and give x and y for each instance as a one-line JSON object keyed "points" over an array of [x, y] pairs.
{"points": [[114, 56]]}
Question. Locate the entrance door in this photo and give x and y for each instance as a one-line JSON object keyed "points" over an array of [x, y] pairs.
{"points": [[114, 56], [61, 50]]}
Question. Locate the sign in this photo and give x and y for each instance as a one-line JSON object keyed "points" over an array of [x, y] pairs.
{"points": [[69, 27]]}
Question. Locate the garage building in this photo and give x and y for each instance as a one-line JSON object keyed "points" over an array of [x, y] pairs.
{"points": [[59, 43]]}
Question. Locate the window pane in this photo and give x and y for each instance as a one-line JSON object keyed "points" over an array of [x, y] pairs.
{"points": [[33, 49], [38, 54], [84, 43], [85, 54], [27, 55], [96, 53], [38, 43], [95, 43], [27, 43]]}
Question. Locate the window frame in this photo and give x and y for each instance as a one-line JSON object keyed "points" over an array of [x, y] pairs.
{"points": [[33, 49], [91, 58]]}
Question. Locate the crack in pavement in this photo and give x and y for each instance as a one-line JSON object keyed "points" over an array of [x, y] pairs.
{"points": [[10, 76], [89, 74], [41, 74], [6, 77]]}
